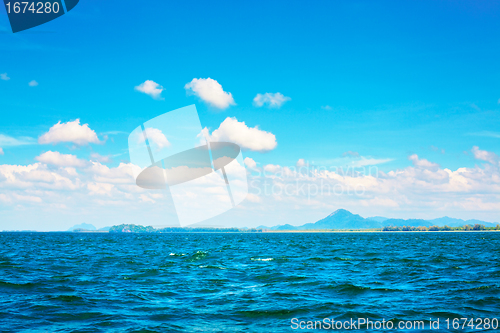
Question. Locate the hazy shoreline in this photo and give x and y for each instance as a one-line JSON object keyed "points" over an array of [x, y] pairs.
{"points": [[246, 232]]}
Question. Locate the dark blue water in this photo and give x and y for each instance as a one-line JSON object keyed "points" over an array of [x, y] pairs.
{"points": [[243, 282]]}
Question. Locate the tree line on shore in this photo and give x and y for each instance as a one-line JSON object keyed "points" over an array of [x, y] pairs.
{"points": [[132, 228], [475, 227]]}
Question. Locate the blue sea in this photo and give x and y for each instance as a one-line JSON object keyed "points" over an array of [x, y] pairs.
{"points": [[245, 282]]}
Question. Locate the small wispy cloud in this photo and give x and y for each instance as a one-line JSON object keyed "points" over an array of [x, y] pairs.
{"points": [[475, 107], [352, 160], [350, 153], [99, 158], [326, 107], [487, 134], [9, 141], [272, 100], [4, 77], [437, 149], [114, 132], [484, 155], [33, 83], [370, 161]]}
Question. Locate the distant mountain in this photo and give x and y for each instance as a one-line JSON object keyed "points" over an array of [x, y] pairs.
{"points": [[377, 218], [285, 227], [486, 224], [409, 223], [104, 229], [452, 222], [85, 226], [342, 219]]}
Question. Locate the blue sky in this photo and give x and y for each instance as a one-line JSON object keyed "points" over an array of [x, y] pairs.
{"points": [[386, 80]]}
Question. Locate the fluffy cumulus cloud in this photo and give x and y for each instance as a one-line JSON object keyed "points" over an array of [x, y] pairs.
{"points": [[249, 138], [62, 160], [211, 92], [156, 139], [65, 180], [249, 162], [422, 162], [72, 132], [69, 184], [275, 100], [4, 77], [423, 187], [36, 177], [32, 83], [63, 190], [1, 151], [272, 168], [150, 88]]}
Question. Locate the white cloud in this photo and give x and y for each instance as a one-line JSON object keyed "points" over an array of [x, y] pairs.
{"points": [[145, 198], [8, 141], [37, 176], [150, 88], [251, 138], [487, 134], [353, 160], [157, 140], [100, 188], [272, 168], [57, 197], [422, 163], [63, 160], [437, 149], [350, 153], [250, 163], [71, 131], [33, 83], [253, 198], [211, 92], [300, 163], [4, 77], [415, 190], [99, 158], [484, 155], [272, 100], [363, 161], [327, 107], [1, 151], [420, 188], [122, 174]]}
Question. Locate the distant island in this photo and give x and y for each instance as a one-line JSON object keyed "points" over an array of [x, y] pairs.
{"points": [[340, 220], [128, 228], [85, 227]]}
